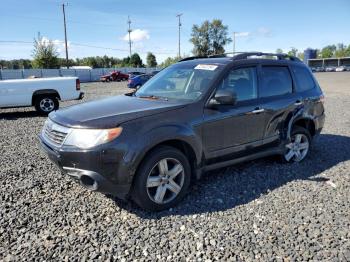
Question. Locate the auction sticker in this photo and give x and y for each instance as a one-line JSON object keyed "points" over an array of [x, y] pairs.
{"points": [[206, 67]]}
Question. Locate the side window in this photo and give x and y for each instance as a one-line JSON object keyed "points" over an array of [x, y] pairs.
{"points": [[243, 82], [276, 80], [303, 78]]}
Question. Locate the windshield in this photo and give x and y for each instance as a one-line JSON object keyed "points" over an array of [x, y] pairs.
{"points": [[183, 81]]}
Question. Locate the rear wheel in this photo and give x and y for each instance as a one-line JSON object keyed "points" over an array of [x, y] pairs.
{"points": [[299, 146], [162, 179], [46, 104]]}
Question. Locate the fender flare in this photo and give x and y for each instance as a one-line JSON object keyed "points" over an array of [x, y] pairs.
{"points": [[165, 133]]}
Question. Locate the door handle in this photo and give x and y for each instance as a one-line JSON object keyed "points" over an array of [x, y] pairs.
{"points": [[298, 103], [258, 110]]}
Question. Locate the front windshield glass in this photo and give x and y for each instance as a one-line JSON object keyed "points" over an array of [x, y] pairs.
{"points": [[183, 81]]}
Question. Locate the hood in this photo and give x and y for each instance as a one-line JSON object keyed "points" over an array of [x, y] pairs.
{"points": [[111, 112]]}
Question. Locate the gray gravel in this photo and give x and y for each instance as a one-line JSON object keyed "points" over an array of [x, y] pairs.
{"points": [[261, 210]]}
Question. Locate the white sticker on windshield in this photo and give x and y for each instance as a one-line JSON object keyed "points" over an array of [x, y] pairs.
{"points": [[206, 67]]}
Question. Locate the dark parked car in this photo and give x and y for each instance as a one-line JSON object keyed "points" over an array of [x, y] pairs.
{"points": [[153, 73], [194, 116], [133, 74], [114, 76], [138, 81]]}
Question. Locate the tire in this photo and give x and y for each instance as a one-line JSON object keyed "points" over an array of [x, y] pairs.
{"points": [[153, 188], [45, 104], [299, 148]]}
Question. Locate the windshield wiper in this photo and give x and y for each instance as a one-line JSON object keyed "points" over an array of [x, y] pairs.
{"points": [[153, 97]]}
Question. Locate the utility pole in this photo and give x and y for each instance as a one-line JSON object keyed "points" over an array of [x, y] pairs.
{"points": [[129, 31], [234, 42], [179, 17], [65, 33]]}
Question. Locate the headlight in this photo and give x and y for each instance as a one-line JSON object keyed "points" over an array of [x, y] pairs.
{"points": [[87, 138]]}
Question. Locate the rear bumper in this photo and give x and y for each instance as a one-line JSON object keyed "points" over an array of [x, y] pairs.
{"points": [[86, 168], [81, 96], [319, 123]]}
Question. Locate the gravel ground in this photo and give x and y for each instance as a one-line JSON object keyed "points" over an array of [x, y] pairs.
{"points": [[261, 210]]}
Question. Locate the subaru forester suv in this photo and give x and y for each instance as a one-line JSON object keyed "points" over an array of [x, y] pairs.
{"points": [[197, 115]]}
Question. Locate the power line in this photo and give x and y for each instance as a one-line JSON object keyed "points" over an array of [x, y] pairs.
{"points": [[165, 52], [100, 47], [15, 42], [179, 17]]}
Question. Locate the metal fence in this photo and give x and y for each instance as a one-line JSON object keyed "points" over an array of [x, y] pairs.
{"points": [[85, 75]]}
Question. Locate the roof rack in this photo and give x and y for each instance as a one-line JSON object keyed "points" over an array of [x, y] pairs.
{"points": [[245, 55], [279, 56], [192, 58]]}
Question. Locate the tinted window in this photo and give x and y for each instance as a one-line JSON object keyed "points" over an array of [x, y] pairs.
{"points": [[276, 80], [243, 82], [303, 78]]}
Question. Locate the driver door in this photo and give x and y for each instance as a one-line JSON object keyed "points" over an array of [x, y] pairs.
{"points": [[231, 129]]}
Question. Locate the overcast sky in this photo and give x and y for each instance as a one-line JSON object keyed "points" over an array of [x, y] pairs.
{"points": [[102, 25]]}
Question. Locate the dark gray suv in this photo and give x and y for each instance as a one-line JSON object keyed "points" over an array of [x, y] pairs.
{"points": [[197, 115]]}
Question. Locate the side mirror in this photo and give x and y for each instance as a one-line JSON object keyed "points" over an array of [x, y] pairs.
{"points": [[223, 97]]}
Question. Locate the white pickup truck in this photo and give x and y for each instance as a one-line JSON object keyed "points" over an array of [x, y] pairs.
{"points": [[43, 93]]}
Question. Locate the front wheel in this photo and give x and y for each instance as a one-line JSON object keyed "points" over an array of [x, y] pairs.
{"points": [[299, 146], [46, 104], [162, 179]]}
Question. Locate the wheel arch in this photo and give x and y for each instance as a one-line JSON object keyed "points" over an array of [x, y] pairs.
{"points": [[306, 123], [180, 144], [41, 92]]}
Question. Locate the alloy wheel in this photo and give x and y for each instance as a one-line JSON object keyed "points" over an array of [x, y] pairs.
{"points": [[165, 180], [298, 148]]}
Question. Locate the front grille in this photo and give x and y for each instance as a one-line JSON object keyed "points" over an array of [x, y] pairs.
{"points": [[54, 134]]}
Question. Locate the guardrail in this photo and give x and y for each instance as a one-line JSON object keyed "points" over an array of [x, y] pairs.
{"points": [[85, 75]]}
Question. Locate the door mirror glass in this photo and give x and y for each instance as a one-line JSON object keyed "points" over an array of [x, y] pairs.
{"points": [[223, 97]]}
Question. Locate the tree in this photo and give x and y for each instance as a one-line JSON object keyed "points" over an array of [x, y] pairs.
{"points": [[151, 60], [347, 52], [300, 55], [169, 61], [341, 50], [209, 38], [328, 51], [279, 51], [45, 54], [135, 60], [293, 51]]}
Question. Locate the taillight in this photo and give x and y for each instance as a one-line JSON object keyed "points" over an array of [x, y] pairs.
{"points": [[77, 84], [129, 81]]}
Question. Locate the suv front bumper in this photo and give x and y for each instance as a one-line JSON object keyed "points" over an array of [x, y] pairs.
{"points": [[89, 169]]}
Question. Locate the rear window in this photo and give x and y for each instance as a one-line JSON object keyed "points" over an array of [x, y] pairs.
{"points": [[303, 78], [276, 80]]}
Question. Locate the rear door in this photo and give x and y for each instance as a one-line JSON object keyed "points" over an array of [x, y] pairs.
{"points": [[278, 98]]}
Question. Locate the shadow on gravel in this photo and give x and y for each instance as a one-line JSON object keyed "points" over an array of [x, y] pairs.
{"points": [[237, 185], [18, 115]]}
